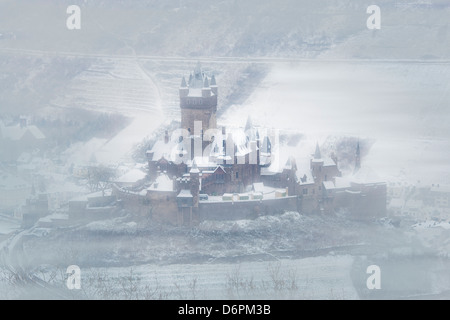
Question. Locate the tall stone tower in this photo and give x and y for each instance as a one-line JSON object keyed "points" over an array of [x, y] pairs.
{"points": [[198, 100]]}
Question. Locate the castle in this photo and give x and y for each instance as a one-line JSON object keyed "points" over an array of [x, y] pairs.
{"points": [[203, 172]]}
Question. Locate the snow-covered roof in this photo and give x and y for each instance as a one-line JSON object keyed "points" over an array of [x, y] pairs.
{"points": [[328, 162], [328, 185], [342, 182], [195, 92], [184, 193], [215, 169], [258, 186], [15, 133], [132, 176], [162, 183], [353, 191], [305, 178], [365, 175]]}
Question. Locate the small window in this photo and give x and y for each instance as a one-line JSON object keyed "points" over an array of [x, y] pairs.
{"points": [[305, 191], [237, 175]]}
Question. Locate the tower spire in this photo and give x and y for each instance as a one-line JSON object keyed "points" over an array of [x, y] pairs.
{"points": [[213, 85], [206, 83], [183, 83], [317, 154], [194, 168]]}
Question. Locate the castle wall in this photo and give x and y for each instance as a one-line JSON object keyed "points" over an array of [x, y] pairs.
{"points": [[371, 203], [133, 202], [245, 209], [162, 206]]}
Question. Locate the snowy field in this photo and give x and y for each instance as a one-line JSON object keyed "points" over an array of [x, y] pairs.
{"points": [[325, 277], [8, 225]]}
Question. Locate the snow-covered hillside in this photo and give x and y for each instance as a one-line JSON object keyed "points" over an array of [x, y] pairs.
{"points": [[403, 107], [253, 28]]}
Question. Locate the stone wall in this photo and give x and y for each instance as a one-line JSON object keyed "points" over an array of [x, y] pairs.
{"points": [[245, 209]]}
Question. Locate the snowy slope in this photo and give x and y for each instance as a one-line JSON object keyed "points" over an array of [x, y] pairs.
{"points": [[325, 277], [402, 106], [193, 28]]}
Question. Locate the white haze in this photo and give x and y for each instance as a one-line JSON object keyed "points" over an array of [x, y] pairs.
{"points": [[308, 68]]}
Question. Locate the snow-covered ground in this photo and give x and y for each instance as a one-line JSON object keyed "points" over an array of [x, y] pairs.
{"points": [[326, 277], [8, 225], [114, 86]]}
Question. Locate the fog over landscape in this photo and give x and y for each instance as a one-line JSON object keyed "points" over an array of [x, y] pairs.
{"points": [[72, 101]]}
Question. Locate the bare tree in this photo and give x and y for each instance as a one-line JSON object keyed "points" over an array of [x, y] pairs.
{"points": [[99, 178]]}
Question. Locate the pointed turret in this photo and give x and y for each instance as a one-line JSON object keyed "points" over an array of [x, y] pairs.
{"points": [[291, 164], [317, 154], [213, 84], [183, 83], [194, 168], [190, 79], [317, 164], [206, 83], [184, 90]]}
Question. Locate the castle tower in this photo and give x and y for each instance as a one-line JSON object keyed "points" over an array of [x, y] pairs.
{"points": [[317, 165], [198, 100], [317, 153]]}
